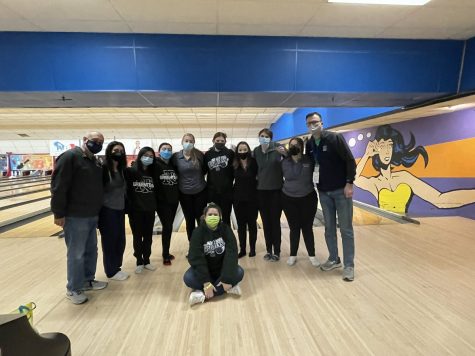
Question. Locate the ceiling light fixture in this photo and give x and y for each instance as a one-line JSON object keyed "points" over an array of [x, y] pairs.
{"points": [[383, 2]]}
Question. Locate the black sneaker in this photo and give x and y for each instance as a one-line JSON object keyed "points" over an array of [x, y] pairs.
{"points": [[268, 256], [252, 253], [241, 254], [275, 258]]}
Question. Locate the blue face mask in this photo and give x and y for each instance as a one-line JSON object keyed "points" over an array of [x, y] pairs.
{"points": [[264, 140], [187, 146], [146, 161], [166, 154]]}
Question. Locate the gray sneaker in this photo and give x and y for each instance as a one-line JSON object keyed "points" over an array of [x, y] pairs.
{"points": [[76, 297], [348, 274], [329, 265], [95, 285]]}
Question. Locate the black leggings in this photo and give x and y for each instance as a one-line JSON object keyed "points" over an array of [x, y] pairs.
{"points": [[270, 207], [300, 213], [193, 206], [166, 212], [246, 216]]}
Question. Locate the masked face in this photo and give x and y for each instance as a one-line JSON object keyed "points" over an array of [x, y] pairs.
{"points": [[188, 146], [146, 161], [212, 221], [117, 156], [219, 145], [93, 146], [314, 125], [166, 153], [264, 140], [294, 150], [243, 155]]}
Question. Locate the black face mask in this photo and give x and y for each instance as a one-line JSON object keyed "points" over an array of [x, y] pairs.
{"points": [[243, 155], [93, 146], [117, 156], [219, 145], [294, 150]]}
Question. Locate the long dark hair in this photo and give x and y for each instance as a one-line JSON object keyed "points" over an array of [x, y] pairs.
{"points": [[237, 161], [122, 163], [138, 161], [402, 154], [195, 154]]}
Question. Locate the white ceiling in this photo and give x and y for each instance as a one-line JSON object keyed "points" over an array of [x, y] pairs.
{"points": [[158, 124], [439, 19]]}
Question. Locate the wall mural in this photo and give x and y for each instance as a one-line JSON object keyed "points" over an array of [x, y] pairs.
{"points": [[401, 170]]}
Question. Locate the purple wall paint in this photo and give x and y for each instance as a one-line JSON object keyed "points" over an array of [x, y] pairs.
{"points": [[427, 131]]}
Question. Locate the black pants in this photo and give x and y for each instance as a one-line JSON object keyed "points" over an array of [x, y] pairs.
{"points": [[246, 216], [270, 207], [224, 202], [112, 227], [141, 223], [193, 206], [300, 213], [192, 282], [166, 212]]}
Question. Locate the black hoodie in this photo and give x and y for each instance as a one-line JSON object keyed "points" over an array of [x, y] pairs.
{"points": [[219, 165], [140, 189], [213, 254], [167, 180]]}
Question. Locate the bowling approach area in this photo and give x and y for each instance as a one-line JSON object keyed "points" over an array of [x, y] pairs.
{"points": [[413, 294]]}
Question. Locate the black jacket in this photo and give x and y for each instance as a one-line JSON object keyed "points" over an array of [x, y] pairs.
{"points": [[245, 182], [337, 164], [76, 185], [213, 254], [219, 166], [141, 187]]}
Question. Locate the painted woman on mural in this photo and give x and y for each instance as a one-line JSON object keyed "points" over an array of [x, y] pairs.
{"points": [[394, 189]]}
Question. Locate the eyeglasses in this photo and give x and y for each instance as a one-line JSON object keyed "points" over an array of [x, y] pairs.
{"points": [[312, 123]]}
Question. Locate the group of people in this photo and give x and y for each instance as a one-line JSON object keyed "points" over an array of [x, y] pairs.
{"points": [[269, 179]]}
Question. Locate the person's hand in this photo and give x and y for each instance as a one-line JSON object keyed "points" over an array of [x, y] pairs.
{"points": [[209, 292], [59, 222], [372, 148], [348, 191], [226, 286]]}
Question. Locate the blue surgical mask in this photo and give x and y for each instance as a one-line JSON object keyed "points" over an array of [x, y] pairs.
{"points": [[264, 140], [166, 154], [187, 146], [146, 161]]}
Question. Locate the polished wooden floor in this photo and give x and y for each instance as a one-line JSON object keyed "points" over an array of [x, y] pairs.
{"points": [[414, 294]]}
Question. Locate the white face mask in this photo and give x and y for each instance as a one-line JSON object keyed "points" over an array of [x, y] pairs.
{"points": [[315, 129]]}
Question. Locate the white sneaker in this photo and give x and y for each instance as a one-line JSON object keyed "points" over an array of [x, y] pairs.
{"points": [[292, 260], [76, 297], [196, 297], [139, 269], [236, 290], [150, 267], [314, 261], [120, 276]]}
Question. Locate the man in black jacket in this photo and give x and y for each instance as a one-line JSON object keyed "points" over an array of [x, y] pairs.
{"points": [[334, 174], [76, 199]]}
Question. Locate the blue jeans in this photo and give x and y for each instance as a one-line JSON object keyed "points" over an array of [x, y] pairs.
{"points": [[334, 202], [192, 282], [81, 241]]}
